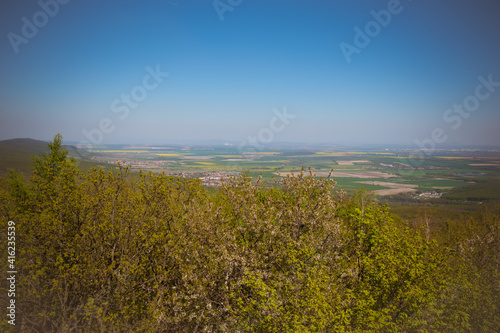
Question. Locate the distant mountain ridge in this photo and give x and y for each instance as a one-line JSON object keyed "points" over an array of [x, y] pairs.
{"points": [[17, 153], [26, 145]]}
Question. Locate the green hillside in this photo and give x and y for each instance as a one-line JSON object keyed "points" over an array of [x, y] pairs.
{"points": [[17, 154], [485, 191]]}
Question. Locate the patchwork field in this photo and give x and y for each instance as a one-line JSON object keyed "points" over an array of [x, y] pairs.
{"points": [[368, 169], [352, 162], [349, 174], [393, 188]]}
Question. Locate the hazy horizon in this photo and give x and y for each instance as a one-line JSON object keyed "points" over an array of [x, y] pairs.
{"points": [[216, 143], [314, 72]]}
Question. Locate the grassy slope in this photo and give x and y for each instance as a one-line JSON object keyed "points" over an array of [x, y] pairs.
{"points": [[17, 154], [484, 191]]}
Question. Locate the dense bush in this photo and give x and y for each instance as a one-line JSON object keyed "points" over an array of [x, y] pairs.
{"points": [[106, 252]]}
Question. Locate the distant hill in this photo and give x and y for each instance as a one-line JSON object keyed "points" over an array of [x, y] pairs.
{"points": [[24, 145], [17, 154]]}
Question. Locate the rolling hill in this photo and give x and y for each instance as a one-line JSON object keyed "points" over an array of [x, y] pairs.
{"points": [[17, 154]]}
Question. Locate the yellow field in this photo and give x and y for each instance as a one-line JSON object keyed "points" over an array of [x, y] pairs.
{"points": [[205, 163], [366, 153], [172, 154], [228, 156], [123, 151], [326, 153], [452, 157], [329, 153]]}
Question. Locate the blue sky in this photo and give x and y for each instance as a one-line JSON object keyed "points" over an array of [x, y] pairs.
{"points": [[227, 76]]}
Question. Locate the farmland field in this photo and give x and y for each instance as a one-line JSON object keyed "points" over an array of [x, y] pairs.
{"points": [[384, 172]]}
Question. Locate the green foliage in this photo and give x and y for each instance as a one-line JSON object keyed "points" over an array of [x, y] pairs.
{"points": [[483, 191], [472, 297], [104, 251]]}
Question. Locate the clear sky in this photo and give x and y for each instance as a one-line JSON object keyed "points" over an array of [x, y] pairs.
{"points": [[78, 67]]}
